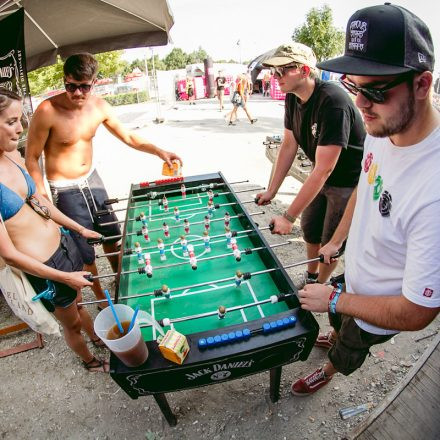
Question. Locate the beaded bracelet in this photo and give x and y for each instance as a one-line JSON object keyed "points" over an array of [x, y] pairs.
{"points": [[333, 298]]}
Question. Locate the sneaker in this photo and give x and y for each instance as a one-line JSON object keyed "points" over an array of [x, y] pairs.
{"points": [[311, 383], [325, 340], [310, 278], [231, 123], [253, 121]]}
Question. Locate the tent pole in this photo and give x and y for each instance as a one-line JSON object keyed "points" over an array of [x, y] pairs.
{"points": [[159, 119]]}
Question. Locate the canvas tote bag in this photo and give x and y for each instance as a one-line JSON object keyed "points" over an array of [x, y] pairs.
{"points": [[18, 293]]}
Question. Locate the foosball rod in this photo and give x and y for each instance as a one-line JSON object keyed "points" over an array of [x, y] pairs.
{"points": [[170, 214], [139, 233], [165, 322], [131, 251], [106, 211], [246, 275], [247, 251], [203, 187]]}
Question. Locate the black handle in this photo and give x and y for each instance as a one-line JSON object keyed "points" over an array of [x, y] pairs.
{"points": [[271, 226], [256, 200], [333, 257], [89, 277], [111, 201], [338, 279], [95, 240], [102, 212]]}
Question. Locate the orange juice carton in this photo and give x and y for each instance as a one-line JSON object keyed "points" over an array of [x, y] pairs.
{"points": [[174, 346]]}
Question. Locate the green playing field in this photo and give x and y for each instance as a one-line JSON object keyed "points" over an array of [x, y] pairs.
{"points": [[190, 301]]}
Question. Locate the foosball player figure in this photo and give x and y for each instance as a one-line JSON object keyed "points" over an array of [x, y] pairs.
{"points": [[145, 233], [192, 257], [161, 248], [238, 278], [165, 203], [166, 292], [186, 226], [143, 218], [210, 195], [235, 250], [207, 222], [228, 235], [227, 218], [148, 266], [138, 250], [207, 241], [177, 214], [210, 208], [183, 190], [184, 244], [166, 230], [221, 312]]}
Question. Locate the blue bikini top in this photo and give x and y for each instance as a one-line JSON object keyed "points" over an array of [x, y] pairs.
{"points": [[10, 201]]}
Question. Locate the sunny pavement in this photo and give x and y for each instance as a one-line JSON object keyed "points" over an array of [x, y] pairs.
{"points": [[200, 135]]}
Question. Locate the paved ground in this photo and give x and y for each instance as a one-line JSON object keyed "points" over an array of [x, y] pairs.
{"points": [[47, 394]]}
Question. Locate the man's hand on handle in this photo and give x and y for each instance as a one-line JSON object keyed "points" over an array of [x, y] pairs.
{"points": [[264, 198]]}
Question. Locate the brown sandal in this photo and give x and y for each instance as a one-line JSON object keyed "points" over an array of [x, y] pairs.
{"points": [[97, 366]]}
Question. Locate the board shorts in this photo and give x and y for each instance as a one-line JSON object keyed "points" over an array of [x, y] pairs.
{"points": [[80, 200], [190, 93], [67, 259], [321, 218], [352, 344]]}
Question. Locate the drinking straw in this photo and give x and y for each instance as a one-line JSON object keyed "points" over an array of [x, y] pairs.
{"points": [[121, 330], [133, 319]]}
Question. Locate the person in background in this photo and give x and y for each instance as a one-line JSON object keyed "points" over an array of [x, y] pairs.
{"points": [[322, 119], [220, 82], [238, 100], [63, 127], [31, 240], [190, 90], [392, 265], [266, 83]]}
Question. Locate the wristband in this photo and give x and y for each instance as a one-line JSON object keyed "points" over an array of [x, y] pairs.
{"points": [[289, 217], [333, 298]]}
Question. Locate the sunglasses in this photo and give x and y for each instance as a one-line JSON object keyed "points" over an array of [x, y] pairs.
{"points": [[280, 71], [72, 88], [41, 210], [371, 93]]}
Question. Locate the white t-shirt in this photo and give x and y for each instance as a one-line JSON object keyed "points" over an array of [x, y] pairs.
{"points": [[393, 246]]}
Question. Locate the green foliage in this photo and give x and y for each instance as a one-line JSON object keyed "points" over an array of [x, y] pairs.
{"points": [[127, 98], [176, 59], [51, 77], [319, 33], [158, 64], [197, 56]]}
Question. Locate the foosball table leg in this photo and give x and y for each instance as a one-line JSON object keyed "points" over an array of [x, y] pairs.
{"points": [[275, 379], [164, 406]]}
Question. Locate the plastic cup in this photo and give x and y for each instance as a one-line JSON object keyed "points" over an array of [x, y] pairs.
{"points": [[130, 348]]}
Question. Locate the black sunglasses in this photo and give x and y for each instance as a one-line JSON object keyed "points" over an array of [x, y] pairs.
{"points": [[41, 210], [280, 71], [72, 88], [372, 94]]}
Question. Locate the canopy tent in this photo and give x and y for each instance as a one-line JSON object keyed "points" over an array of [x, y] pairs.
{"points": [[64, 27], [256, 65]]}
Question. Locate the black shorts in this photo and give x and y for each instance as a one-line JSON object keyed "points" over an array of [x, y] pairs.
{"points": [[352, 344], [80, 203], [68, 259], [190, 92], [320, 219]]}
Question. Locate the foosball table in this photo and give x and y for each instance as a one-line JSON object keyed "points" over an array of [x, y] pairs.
{"points": [[194, 258]]}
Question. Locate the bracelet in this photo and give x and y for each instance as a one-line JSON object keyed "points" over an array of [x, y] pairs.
{"points": [[333, 298], [289, 217]]}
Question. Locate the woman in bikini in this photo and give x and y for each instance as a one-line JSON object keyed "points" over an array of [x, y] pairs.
{"points": [[31, 240]]}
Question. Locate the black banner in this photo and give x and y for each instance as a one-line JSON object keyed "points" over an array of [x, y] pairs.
{"points": [[13, 73]]}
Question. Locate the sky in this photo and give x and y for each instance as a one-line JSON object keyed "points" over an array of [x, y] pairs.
{"points": [[261, 25]]}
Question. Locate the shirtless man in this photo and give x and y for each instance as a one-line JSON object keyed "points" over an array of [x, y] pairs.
{"points": [[63, 127]]}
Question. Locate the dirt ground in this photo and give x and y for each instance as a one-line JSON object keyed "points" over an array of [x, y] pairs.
{"points": [[47, 394]]}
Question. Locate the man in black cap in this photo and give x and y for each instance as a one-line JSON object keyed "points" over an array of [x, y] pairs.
{"points": [[392, 264], [323, 120]]}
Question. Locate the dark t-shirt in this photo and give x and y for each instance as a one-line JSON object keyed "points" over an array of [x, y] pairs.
{"points": [[329, 117], [221, 81]]}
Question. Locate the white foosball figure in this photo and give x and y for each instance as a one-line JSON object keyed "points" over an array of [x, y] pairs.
{"points": [[192, 257], [145, 233], [184, 244], [166, 230], [148, 266], [165, 204], [138, 250], [228, 235], [161, 248], [207, 241]]}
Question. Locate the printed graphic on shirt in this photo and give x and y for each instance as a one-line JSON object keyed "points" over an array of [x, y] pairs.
{"points": [[314, 129], [428, 292], [385, 204], [368, 161]]}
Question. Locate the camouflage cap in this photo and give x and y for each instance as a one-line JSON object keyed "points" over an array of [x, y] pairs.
{"points": [[292, 53]]}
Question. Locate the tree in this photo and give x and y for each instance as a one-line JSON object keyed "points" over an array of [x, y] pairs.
{"points": [[158, 64], [176, 59], [197, 56], [320, 34], [51, 77]]}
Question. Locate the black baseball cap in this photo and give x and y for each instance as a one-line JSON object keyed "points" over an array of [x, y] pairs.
{"points": [[384, 40]]}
